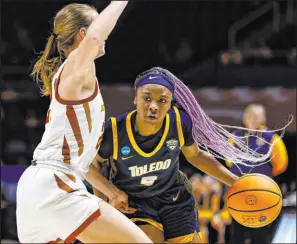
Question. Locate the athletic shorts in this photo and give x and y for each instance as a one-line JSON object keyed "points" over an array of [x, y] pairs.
{"points": [[175, 211], [53, 205]]}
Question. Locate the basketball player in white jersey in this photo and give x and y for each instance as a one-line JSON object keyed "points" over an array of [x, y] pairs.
{"points": [[52, 202]]}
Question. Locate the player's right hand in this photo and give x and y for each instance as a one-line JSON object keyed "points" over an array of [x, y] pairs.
{"points": [[120, 202]]}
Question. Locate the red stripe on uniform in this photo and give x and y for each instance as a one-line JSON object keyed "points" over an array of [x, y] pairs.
{"points": [[88, 115], [62, 185], [100, 138], [71, 115], [66, 152], [58, 240], [71, 177], [83, 226]]}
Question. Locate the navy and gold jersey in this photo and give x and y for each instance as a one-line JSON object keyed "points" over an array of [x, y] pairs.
{"points": [[145, 166]]}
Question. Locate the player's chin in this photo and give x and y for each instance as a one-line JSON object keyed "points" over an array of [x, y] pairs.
{"points": [[152, 119], [101, 53]]}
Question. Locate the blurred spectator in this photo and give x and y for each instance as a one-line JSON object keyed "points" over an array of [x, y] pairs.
{"points": [[231, 57], [254, 118], [34, 129], [284, 188], [292, 57], [20, 50], [3, 202], [181, 55], [203, 198], [251, 53], [257, 49], [2, 115], [208, 194], [9, 95]]}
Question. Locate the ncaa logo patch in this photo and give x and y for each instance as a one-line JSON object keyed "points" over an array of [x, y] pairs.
{"points": [[172, 144], [125, 150]]}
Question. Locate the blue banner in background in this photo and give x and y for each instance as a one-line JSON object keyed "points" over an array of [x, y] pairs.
{"points": [[10, 176]]}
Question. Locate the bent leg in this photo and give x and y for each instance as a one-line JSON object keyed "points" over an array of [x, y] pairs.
{"points": [[153, 233], [112, 226]]}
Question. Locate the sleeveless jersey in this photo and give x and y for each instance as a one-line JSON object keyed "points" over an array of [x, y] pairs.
{"points": [[73, 130], [146, 174]]}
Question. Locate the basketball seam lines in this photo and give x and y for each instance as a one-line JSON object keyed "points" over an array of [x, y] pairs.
{"points": [[253, 190], [254, 210]]}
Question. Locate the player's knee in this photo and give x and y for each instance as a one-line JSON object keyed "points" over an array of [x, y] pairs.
{"points": [[196, 238]]}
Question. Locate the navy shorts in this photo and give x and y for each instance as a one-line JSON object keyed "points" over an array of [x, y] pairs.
{"points": [[175, 211]]}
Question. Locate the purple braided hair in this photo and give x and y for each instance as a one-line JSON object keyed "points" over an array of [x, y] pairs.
{"points": [[211, 136]]}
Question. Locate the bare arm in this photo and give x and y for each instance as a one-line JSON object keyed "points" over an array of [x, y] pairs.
{"points": [[95, 190], [79, 71], [208, 164], [99, 182], [97, 33], [116, 197]]}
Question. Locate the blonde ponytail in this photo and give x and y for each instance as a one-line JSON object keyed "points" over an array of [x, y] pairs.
{"points": [[47, 65], [67, 23]]}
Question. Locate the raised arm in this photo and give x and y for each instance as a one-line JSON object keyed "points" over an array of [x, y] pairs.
{"points": [[79, 71], [97, 33]]}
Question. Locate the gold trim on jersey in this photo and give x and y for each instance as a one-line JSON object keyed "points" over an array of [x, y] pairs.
{"points": [[132, 139], [149, 221], [184, 239], [179, 239], [115, 137], [179, 127]]}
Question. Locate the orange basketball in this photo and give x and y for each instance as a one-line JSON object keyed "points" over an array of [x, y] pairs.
{"points": [[254, 200]]}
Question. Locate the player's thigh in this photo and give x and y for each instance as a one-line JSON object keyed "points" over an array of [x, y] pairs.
{"points": [[112, 226], [156, 235], [180, 221]]}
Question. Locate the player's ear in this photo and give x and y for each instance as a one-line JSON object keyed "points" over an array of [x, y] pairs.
{"points": [[135, 100], [82, 32]]}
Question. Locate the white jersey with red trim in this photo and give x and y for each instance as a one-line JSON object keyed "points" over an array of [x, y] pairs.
{"points": [[73, 130]]}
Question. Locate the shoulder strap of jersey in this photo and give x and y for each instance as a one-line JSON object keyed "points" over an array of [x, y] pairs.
{"points": [[115, 137], [179, 127]]}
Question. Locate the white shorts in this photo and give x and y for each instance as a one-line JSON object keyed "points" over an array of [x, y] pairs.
{"points": [[52, 206]]}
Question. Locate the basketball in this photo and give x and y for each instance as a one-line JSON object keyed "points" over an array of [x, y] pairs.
{"points": [[254, 200]]}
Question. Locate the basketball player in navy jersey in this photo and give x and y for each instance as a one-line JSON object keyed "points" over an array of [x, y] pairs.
{"points": [[143, 147]]}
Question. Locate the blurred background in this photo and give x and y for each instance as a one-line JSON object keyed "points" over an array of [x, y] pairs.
{"points": [[230, 53]]}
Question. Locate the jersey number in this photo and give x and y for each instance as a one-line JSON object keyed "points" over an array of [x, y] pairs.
{"points": [[148, 180]]}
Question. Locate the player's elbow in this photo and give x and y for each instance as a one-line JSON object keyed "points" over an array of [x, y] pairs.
{"points": [[95, 38], [92, 44], [279, 165], [279, 170]]}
